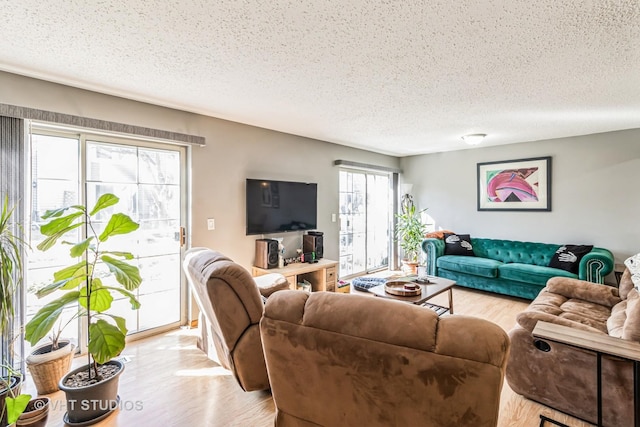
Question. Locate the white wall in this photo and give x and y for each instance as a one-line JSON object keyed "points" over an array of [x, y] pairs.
{"points": [[233, 153], [595, 190]]}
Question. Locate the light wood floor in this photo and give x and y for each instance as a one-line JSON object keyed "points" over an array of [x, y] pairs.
{"points": [[169, 382]]}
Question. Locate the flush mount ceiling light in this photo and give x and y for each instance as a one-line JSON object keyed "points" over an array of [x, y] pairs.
{"points": [[474, 138]]}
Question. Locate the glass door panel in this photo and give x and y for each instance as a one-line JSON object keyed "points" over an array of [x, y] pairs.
{"points": [[378, 221], [55, 182], [364, 222], [148, 182]]}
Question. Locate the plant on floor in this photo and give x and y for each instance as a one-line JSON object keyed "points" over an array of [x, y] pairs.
{"points": [[87, 286], [12, 245], [410, 231], [14, 403]]}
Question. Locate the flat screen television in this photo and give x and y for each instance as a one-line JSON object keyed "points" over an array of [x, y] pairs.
{"points": [[281, 206]]}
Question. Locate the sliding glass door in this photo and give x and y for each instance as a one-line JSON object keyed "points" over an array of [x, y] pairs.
{"points": [[149, 180], [365, 222]]}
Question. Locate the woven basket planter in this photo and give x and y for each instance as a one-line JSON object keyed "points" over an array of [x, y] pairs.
{"points": [[47, 368]]}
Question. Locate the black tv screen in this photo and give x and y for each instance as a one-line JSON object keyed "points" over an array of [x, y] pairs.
{"points": [[281, 206]]}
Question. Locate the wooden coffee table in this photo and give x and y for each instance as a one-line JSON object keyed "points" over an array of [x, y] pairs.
{"points": [[428, 291]]}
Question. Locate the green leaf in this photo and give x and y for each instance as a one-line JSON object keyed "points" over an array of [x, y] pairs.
{"points": [[106, 341], [46, 290], [80, 248], [51, 240], [127, 275], [125, 255], [101, 298], [16, 406], [135, 304], [46, 317], [118, 224], [120, 322], [104, 202], [74, 270], [59, 224], [54, 213], [74, 275]]}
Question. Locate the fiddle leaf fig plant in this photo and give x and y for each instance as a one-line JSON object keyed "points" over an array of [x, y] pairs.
{"points": [[82, 285], [410, 231]]}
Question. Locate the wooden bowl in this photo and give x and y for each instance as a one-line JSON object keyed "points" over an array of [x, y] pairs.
{"points": [[402, 288]]}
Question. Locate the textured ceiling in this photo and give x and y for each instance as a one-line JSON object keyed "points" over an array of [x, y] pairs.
{"points": [[396, 77]]}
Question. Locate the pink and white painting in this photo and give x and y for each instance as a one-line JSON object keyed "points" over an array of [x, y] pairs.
{"points": [[523, 184]]}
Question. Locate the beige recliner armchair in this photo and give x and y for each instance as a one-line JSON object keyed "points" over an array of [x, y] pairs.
{"points": [[352, 360], [230, 306]]}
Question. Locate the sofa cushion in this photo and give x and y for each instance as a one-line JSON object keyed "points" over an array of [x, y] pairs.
{"points": [[528, 320], [626, 284], [458, 244], [568, 257], [615, 322], [631, 328], [470, 265], [528, 273], [587, 313], [583, 290]]}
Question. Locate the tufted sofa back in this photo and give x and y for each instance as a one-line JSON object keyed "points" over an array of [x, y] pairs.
{"points": [[514, 251]]}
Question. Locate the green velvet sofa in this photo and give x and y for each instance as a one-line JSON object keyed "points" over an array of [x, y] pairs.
{"points": [[510, 267]]}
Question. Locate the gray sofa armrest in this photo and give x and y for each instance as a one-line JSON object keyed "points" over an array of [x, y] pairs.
{"points": [[595, 265], [433, 248]]}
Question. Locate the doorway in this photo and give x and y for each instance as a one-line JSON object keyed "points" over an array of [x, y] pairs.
{"points": [[70, 167], [365, 222]]}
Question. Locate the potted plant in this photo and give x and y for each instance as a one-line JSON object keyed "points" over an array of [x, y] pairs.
{"points": [[91, 390], [19, 409], [12, 245], [11, 248], [12, 402], [48, 362], [410, 232]]}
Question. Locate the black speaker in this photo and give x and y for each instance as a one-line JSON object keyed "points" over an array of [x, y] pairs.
{"points": [[266, 253], [312, 242]]}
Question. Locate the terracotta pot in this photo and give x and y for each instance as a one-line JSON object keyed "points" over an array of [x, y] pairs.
{"points": [[36, 413], [89, 404], [409, 267]]}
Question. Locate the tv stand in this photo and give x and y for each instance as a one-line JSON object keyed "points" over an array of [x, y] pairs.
{"points": [[321, 274]]}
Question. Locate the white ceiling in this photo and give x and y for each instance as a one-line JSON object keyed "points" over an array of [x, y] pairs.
{"points": [[391, 76]]}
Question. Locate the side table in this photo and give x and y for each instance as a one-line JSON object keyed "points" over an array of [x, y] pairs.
{"points": [[600, 345]]}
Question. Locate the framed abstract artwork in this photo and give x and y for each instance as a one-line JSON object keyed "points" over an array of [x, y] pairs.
{"points": [[515, 185]]}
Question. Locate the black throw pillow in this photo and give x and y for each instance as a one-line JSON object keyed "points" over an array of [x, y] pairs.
{"points": [[568, 257], [458, 244]]}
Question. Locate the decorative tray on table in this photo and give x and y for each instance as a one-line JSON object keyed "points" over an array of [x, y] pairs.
{"points": [[402, 288]]}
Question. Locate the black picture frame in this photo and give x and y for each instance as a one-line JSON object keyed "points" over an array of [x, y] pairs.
{"points": [[515, 185]]}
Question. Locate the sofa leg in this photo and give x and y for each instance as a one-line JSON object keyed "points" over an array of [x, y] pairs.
{"points": [[543, 419]]}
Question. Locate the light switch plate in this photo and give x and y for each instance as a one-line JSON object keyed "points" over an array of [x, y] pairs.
{"points": [[211, 224]]}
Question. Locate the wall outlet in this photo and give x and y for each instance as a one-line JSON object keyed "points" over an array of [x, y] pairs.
{"points": [[211, 224], [333, 217]]}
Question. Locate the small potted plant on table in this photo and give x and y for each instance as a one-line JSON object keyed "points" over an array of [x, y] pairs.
{"points": [[91, 391]]}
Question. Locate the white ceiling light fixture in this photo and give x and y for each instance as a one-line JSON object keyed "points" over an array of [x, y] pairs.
{"points": [[474, 138]]}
